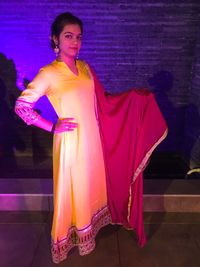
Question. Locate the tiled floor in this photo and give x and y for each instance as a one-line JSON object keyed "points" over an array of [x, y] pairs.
{"points": [[173, 238], [174, 241]]}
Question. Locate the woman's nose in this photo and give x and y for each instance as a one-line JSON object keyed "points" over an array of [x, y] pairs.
{"points": [[75, 40]]}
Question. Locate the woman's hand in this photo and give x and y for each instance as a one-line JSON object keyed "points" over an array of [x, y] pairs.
{"points": [[65, 125]]}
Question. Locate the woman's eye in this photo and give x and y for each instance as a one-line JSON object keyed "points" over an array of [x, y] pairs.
{"points": [[68, 36], [79, 38]]}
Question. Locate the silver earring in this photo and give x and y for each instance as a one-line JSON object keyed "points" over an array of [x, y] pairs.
{"points": [[56, 50]]}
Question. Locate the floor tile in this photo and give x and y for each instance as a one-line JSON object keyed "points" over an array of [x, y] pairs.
{"points": [[173, 241], [105, 253], [169, 245], [18, 243], [172, 217], [23, 217]]}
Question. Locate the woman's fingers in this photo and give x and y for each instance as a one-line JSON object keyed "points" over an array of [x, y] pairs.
{"points": [[66, 124], [69, 122], [70, 126], [67, 119]]}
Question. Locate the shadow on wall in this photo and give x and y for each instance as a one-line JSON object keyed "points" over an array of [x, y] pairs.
{"points": [[180, 142], [192, 140], [9, 136], [166, 162], [17, 141], [161, 83]]}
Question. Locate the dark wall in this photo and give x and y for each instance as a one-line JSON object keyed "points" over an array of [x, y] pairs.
{"points": [[130, 43], [192, 120]]}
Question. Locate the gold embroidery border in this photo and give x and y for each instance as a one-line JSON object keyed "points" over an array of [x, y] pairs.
{"points": [[141, 167], [83, 238]]}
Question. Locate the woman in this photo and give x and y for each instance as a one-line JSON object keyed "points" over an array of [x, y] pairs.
{"points": [[98, 158]]}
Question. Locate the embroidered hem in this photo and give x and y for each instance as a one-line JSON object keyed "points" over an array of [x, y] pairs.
{"points": [[83, 238]]}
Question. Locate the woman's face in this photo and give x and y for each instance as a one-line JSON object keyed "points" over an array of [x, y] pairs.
{"points": [[69, 41]]}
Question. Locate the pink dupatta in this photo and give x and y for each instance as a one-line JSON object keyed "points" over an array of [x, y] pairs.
{"points": [[131, 126]]}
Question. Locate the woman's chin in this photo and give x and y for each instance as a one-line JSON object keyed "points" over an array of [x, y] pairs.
{"points": [[71, 55]]}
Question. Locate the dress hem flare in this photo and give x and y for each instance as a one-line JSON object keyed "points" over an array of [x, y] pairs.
{"points": [[83, 238]]}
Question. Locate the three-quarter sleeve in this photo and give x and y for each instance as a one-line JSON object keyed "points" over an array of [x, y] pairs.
{"points": [[24, 106]]}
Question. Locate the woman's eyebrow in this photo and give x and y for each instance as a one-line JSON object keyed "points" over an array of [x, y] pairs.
{"points": [[73, 33]]}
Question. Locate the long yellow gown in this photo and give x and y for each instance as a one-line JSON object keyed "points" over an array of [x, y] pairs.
{"points": [[80, 199]]}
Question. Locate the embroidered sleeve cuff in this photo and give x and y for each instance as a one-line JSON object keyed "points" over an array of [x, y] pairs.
{"points": [[26, 112]]}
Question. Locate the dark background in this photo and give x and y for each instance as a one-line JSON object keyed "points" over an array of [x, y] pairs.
{"points": [[130, 43]]}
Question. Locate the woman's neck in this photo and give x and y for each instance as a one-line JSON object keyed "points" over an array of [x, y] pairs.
{"points": [[70, 61]]}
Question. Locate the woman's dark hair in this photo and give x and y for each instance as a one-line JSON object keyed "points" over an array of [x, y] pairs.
{"points": [[60, 22]]}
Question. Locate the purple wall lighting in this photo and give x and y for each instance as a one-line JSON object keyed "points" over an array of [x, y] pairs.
{"points": [[128, 43]]}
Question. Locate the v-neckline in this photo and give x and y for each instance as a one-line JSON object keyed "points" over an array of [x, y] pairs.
{"points": [[65, 64]]}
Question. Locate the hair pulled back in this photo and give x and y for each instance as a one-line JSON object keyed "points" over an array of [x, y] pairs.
{"points": [[60, 22]]}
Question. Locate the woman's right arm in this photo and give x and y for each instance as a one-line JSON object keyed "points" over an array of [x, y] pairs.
{"points": [[26, 112], [24, 106]]}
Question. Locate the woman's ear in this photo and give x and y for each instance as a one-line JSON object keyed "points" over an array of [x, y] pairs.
{"points": [[55, 39]]}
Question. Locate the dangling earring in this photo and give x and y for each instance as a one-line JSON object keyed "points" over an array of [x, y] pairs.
{"points": [[56, 50], [77, 56]]}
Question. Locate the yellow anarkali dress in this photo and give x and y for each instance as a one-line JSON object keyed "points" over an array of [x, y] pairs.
{"points": [[79, 181]]}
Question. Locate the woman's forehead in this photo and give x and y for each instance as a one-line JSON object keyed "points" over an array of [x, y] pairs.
{"points": [[73, 28]]}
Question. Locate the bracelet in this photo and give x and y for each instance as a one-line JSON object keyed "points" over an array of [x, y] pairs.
{"points": [[53, 128]]}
